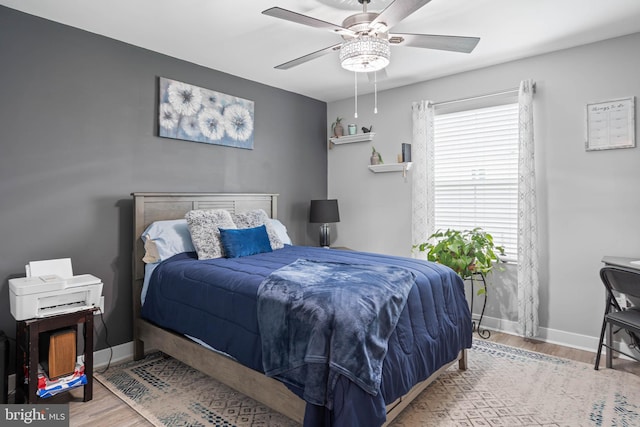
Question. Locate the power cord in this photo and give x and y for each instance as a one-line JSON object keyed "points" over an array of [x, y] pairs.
{"points": [[106, 340]]}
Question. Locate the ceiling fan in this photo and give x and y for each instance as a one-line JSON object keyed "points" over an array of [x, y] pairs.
{"points": [[366, 37]]}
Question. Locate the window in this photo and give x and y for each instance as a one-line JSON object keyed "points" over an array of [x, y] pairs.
{"points": [[476, 172]]}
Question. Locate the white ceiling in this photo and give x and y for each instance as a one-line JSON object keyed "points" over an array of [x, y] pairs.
{"points": [[233, 36]]}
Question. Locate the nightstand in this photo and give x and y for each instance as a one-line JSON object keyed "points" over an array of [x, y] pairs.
{"points": [[27, 351]]}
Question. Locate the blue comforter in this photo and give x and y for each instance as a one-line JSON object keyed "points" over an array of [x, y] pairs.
{"points": [[216, 301]]}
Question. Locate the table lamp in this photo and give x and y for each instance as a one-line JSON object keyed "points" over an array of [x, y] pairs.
{"points": [[324, 212]]}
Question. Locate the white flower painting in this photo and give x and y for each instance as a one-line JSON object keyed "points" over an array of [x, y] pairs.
{"points": [[196, 114]]}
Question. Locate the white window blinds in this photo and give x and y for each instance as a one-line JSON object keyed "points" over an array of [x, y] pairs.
{"points": [[476, 172]]}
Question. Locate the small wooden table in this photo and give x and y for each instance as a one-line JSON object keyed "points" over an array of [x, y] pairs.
{"points": [[27, 354]]}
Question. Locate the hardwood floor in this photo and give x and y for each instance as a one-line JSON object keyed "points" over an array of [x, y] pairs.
{"points": [[588, 357], [106, 410]]}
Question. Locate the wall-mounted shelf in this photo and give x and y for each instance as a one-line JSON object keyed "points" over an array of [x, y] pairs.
{"points": [[391, 167], [359, 137]]}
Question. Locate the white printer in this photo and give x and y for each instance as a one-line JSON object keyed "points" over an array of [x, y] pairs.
{"points": [[50, 288]]}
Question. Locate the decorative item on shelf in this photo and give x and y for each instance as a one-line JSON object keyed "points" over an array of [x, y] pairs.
{"points": [[365, 130], [406, 153], [352, 129], [376, 157], [324, 212], [336, 128], [470, 253]]}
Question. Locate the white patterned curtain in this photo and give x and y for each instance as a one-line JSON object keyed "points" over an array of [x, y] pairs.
{"points": [[527, 217], [422, 189]]}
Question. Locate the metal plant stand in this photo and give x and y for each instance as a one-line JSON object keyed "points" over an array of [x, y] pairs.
{"points": [[479, 277]]}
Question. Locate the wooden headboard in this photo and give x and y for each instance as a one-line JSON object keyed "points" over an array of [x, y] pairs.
{"points": [[150, 207]]}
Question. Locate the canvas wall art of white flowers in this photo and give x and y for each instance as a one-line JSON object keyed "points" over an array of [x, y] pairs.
{"points": [[196, 114]]}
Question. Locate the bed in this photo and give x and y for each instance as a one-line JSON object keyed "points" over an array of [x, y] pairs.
{"points": [[151, 331]]}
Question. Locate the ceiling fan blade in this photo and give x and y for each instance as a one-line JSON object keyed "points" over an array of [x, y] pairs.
{"points": [[309, 57], [397, 11], [431, 41], [298, 18], [377, 75]]}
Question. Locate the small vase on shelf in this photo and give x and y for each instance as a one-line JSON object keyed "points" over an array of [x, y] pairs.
{"points": [[376, 158], [337, 128]]}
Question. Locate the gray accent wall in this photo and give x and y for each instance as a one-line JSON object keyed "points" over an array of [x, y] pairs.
{"points": [[588, 201], [78, 135]]}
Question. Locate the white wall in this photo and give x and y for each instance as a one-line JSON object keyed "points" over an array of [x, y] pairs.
{"points": [[589, 202]]}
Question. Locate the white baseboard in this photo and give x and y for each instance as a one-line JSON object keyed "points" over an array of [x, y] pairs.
{"points": [[552, 336], [116, 354], [124, 351]]}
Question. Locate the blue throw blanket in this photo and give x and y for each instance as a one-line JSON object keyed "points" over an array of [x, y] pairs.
{"points": [[319, 320]]}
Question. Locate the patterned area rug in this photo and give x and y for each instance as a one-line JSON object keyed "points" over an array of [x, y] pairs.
{"points": [[504, 386]]}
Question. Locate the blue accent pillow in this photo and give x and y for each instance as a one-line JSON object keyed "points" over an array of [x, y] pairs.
{"points": [[244, 241]]}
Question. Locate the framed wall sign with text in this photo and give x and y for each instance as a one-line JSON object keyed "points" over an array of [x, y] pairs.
{"points": [[610, 124]]}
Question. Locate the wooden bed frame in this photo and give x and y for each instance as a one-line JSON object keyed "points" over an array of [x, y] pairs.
{"points": [[150, 207]]}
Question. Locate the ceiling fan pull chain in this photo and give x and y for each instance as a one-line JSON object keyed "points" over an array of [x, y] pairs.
{"points": [[375, 92], [355, 75]]}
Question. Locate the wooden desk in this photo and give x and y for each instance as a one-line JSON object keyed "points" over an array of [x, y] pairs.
{"points": [[27, 334]]}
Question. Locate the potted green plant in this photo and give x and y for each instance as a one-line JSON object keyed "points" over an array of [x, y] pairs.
{"points": [[336, 128], [376, 157], [466, 252]]}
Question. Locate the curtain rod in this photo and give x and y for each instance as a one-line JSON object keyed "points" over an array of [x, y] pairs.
{"points": [[489, 95]]}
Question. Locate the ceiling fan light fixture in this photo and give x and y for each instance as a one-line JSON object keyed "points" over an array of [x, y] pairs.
{"points": [[364, 54]]}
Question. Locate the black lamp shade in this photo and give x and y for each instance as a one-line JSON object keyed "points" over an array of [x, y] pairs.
{"points": [[324, 211]]}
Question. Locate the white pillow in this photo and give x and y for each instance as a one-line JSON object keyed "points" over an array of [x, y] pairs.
{"points": [[256, 218], [204, 227], [164, 239], [281, 231]]}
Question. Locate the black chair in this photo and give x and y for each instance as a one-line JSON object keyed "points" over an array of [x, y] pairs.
{"points": [[624, 281]]}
